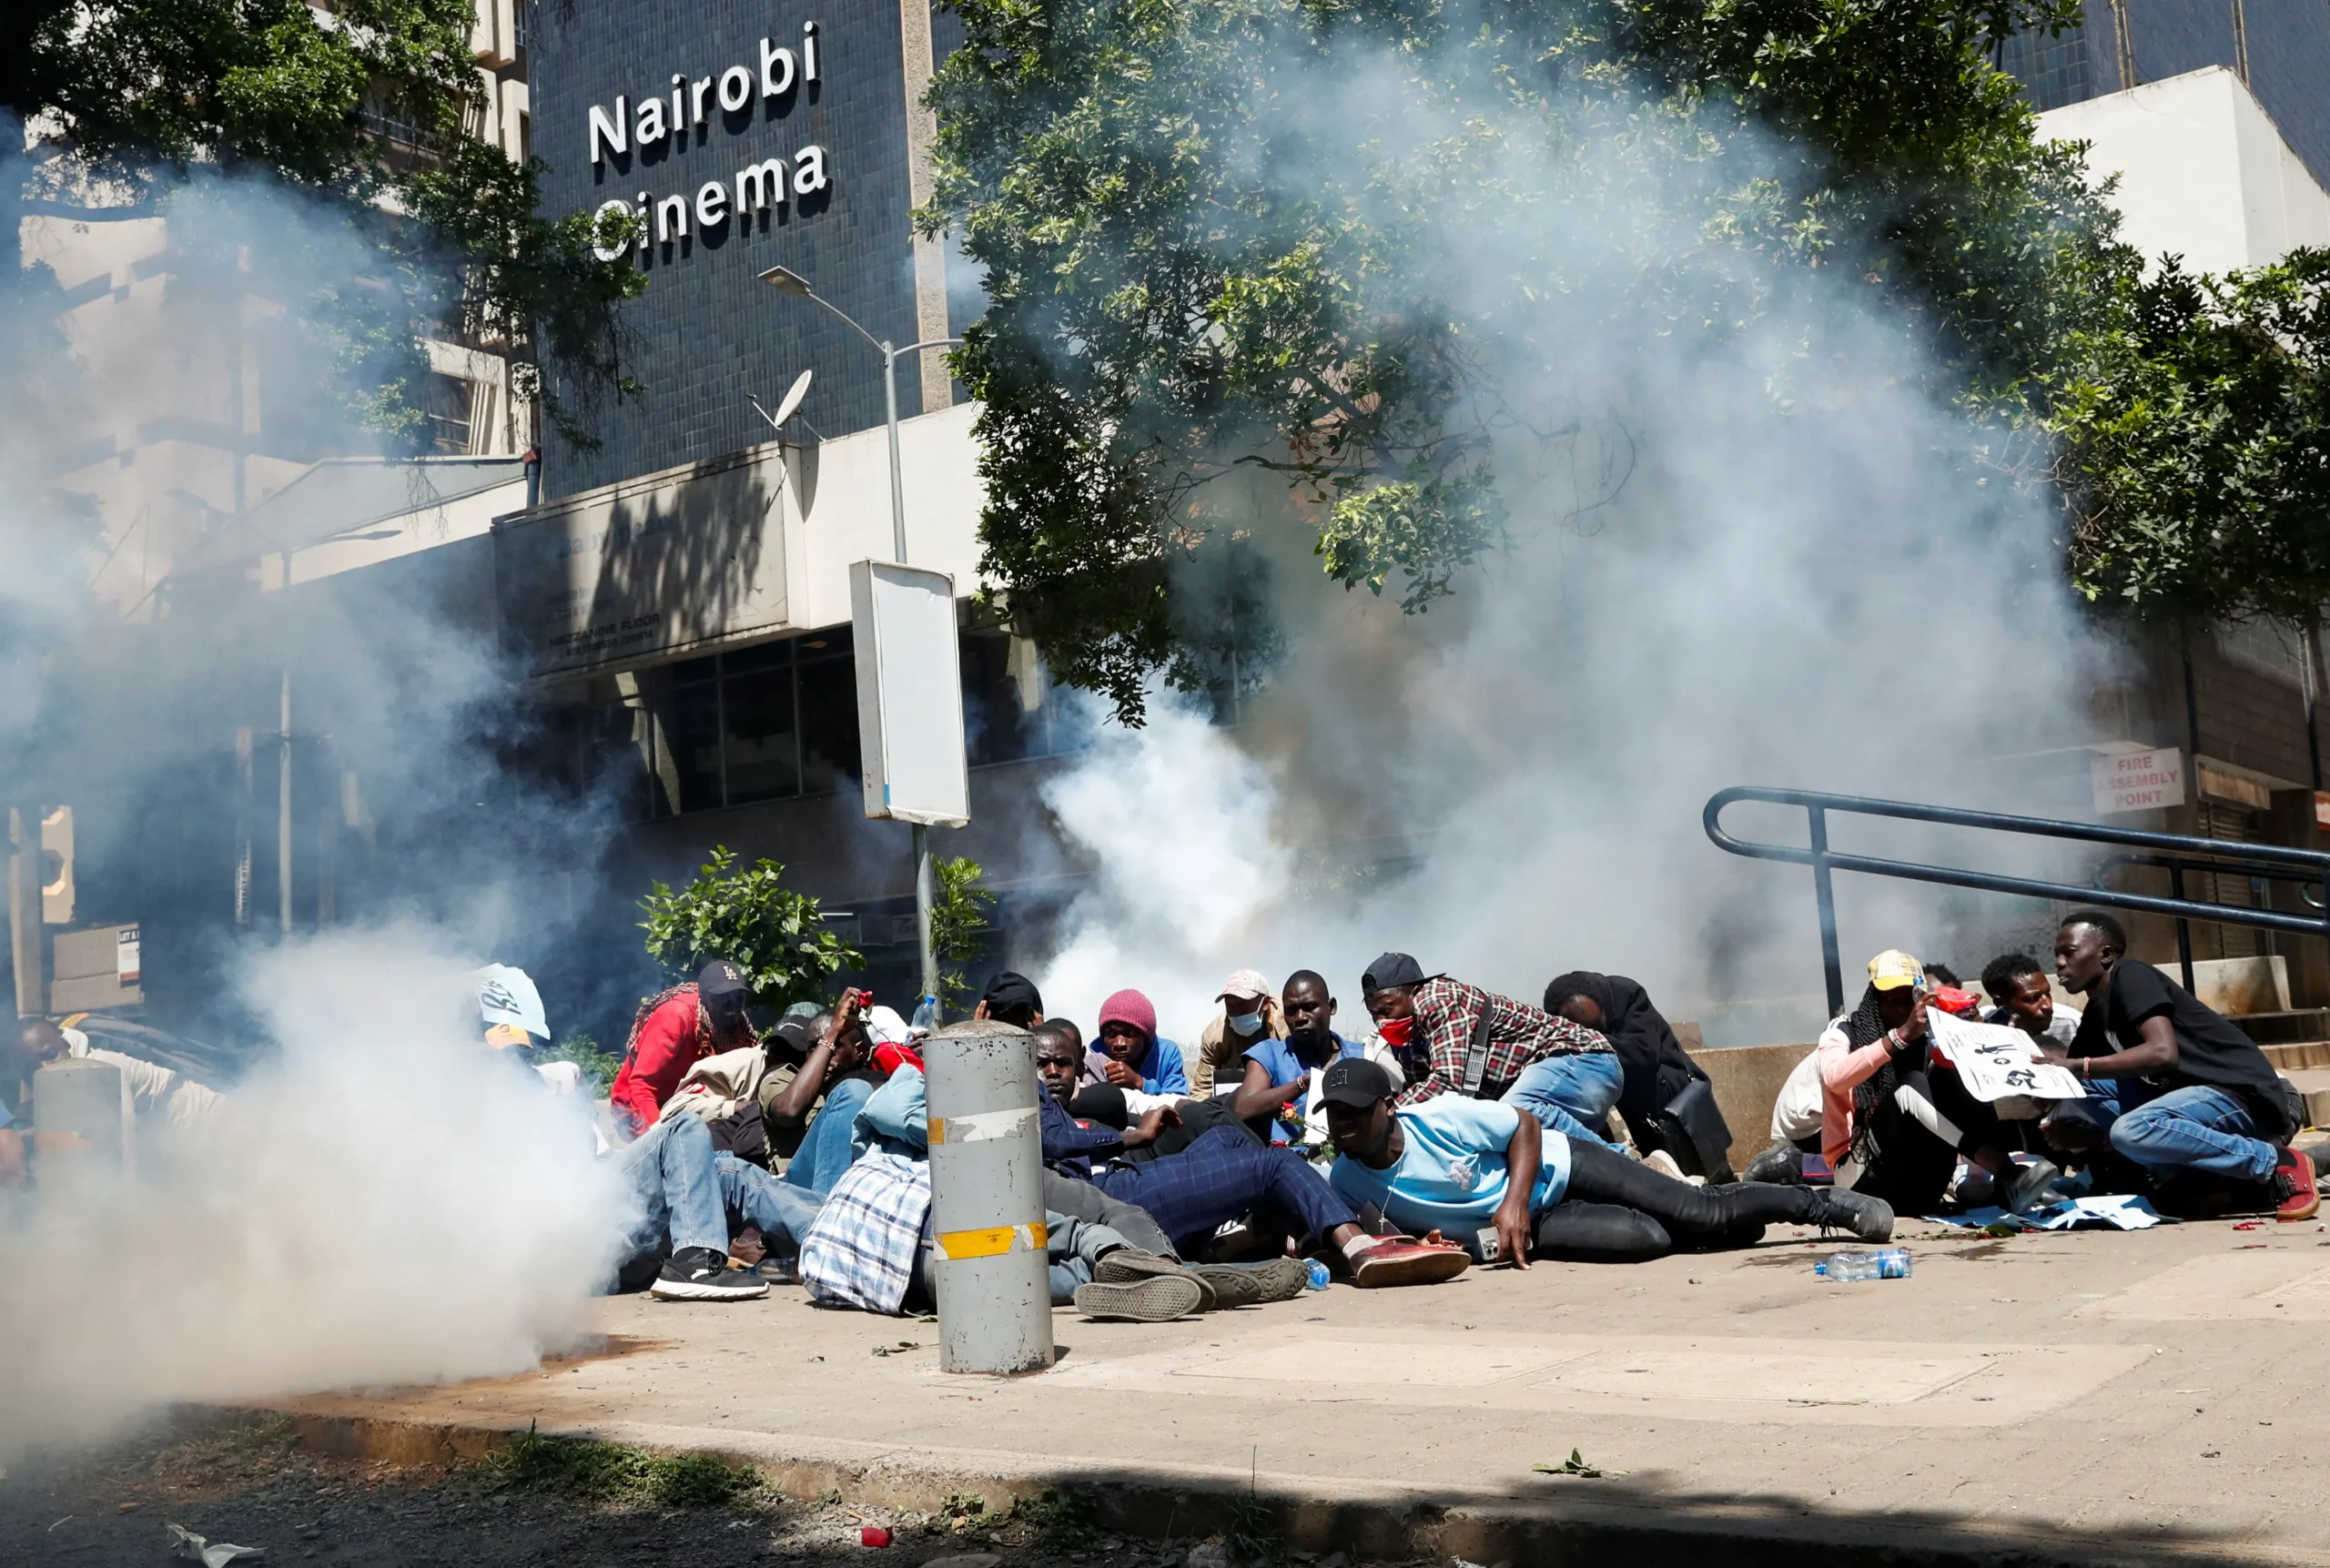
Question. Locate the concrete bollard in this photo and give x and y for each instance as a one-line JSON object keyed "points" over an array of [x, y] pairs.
{"points": [[987, 1199]]}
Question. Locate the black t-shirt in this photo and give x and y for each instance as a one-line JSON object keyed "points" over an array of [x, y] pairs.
{"points": [[2209, 1049]]}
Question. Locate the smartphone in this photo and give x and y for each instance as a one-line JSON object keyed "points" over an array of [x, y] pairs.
{"points": [[1491, 1244]]}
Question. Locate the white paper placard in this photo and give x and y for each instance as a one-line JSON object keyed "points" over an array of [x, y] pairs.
{"points": [[1994, 1061]]}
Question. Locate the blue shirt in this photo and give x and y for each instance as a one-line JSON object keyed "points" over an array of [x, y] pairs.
{"points": [[1451, 1175], [1160, 1070], [1280, 1060]]}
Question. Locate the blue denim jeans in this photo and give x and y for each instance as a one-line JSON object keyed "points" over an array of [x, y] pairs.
{"points": [[1572, 1094], [781, 1212], [2199, 1127], [670, 1167], [825, 1149]]}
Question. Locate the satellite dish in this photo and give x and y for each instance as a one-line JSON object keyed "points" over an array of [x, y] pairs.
{"points": [[793, 396]]}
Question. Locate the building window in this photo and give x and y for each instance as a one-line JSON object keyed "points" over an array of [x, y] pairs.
{"points": [[1012, 709], [2053, 71], [779, 721]]}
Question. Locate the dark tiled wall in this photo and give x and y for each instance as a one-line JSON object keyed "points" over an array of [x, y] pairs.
{"points": [[2289, 70], [706, 334], [2289, 59]]}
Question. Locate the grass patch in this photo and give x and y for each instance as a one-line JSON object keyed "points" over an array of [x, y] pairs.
{"points": [[1059, 1522], [619, 1475], [241, 1449]]}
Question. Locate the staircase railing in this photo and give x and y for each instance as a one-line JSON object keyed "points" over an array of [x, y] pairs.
{"points": [[2179, 855]]}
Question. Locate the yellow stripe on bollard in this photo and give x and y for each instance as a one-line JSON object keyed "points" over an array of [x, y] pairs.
{"points": [[992, 1242]]}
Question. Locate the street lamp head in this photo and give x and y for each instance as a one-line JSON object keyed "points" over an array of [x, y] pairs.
{"points": [[787, 281]]}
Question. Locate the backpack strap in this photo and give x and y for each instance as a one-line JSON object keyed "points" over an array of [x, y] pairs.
{"points": [[1476, 1053]]}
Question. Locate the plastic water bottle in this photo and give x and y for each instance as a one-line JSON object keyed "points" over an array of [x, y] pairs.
{"points": [[926, 1016], [1319, 1275], [1886, 1263]]}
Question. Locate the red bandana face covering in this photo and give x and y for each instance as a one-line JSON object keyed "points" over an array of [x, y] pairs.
{"points": [[1395, 1031]]}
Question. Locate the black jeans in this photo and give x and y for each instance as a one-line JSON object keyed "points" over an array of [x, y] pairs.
{"points": [[1620, 1210], [1913, 1164]]}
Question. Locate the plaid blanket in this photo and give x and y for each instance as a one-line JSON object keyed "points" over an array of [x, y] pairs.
{"points": [[860, 1252]]}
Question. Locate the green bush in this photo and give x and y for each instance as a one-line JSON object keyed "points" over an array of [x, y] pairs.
{"points": [[775, 935]]}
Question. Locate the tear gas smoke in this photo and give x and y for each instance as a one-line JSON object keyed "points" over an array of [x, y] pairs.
{"points": [[381, 1202], [1762, 554]]}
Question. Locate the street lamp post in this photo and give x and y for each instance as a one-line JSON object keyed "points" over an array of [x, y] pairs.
{"points": [[785, 280]]}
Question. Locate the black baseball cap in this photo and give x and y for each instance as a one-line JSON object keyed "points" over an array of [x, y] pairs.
{"points": [[720, 978], [1391, 969], [1012, 989], [1354, 1081]]}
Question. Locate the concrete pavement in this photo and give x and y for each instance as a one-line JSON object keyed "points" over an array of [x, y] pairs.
{"points": [[2095, 1396]]}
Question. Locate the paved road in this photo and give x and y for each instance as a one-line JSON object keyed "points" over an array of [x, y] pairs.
{"points": [[2122, 1395]]}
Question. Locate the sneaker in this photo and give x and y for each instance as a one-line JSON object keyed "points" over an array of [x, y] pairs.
{"points": [[1253, 1284], [701, 1274], [1839, 1209], [2294, 1185], [1130, 1265], [1659, 1160], [2032, 1186], [1160, 1299], [1782, 1165], [1398, 1260]]}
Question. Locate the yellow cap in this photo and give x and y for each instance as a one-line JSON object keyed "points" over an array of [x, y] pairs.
{"points": [[1892, 969]]}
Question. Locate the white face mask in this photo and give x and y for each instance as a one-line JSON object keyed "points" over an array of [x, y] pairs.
{"points": [[1246, 1023]]}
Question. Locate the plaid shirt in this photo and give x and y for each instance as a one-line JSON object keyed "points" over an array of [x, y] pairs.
{"points": [[1519, 1034], [860, 1252]]}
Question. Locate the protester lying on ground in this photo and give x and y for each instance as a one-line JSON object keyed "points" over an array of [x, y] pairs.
{"points": [[1272, 1098], [2022, 999], [1464, 1167], [160, 1099], [1011, 998], [1476, 1043], [1138, 1058], [1222, 1175], [671, 1030], [1796, 1125], [1895, 1118], [687, 1194], [1656, 1066], [2193, 1092], [1247, 1013]]}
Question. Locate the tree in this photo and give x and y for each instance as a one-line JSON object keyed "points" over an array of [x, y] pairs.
{"points": [[2193, 430], [775, 935], [959, 911], [1218, 273], [131, 93]]}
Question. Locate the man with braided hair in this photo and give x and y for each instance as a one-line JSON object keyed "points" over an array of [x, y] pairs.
{"points": [[1895, 1116], [672, 1033]]}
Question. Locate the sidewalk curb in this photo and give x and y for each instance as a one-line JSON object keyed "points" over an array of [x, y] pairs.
{"points": [[1569, 1526]]}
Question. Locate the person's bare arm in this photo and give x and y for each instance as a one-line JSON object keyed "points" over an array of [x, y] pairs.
{"points": [[12, 1157], [1259, 1096], [1146, 1129], [2154, 1052], [1523, 1158]]}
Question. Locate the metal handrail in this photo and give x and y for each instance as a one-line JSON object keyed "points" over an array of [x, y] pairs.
{"points": [[2177, 865], [1824, 861]]}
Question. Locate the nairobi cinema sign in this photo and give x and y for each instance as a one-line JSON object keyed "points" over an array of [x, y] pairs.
{"points": [[669, 118]]}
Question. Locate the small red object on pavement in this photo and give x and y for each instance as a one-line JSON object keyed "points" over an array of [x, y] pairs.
{"points": [[872, 1535]]}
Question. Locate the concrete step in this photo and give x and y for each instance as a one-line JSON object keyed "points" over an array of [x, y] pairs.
{"points": [[2305, 1025]]}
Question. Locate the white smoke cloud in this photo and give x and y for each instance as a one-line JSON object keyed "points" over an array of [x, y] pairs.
{"points": [[1709, 585], [382, 1201]]}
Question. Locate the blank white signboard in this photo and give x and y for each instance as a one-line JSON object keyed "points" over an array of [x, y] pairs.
{"points": [[909, 694]]}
